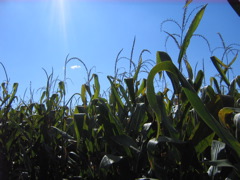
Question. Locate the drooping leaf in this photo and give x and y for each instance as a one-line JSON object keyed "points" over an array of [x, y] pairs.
{"points": [[215, 83], [215, 61], [157, 104], [217, 154], [232, 87], [109, 159], [162, 57], [193, 99], [223, 116]]}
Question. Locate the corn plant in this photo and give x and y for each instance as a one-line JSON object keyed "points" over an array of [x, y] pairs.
{"points": [[136, 132]]}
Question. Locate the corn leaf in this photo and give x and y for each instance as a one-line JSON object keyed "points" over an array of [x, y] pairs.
{"points": [[142, 87], [189, 70], [130, 84], [13, 94], [83, 94], [115, 93], [193, 99], [162, 57], [135, 76], [96, 86], [190, 32], [126, 141], [215, 61], [109, 160], [214, 81], [198, 80]]}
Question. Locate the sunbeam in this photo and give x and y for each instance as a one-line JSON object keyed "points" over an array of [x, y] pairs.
{"points": [[59, 16]]}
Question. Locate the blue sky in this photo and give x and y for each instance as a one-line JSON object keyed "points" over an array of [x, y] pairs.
{"points": [[41, 33]]}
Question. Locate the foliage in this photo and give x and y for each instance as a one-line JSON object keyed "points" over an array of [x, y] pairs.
{"points": [[133, 133]]}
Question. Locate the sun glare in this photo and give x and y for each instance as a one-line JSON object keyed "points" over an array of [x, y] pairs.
{"points": [[59, 11]]}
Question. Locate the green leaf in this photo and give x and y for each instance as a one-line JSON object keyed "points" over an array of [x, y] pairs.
{"points": [[214, 81], [130, 84], [142, 88], [158, 105], [198, 80], [159, 59], [195, 101], [204, 143], [232, 88], [96, 86], [13, 94], [137, 118], [162, 57], [234, 59], [190, 32], [115, 93], [63, 134], [61, 86], [183, 151], [210, 121], [111, 123], [83, 94], [215, 61], [135, 76], [79, 126], [14, 135], [126, 141], [189, 70]]}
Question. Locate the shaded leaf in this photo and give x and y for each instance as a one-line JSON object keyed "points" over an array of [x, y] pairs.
{"points": [[126, 141], [63, 133], [130, 84]]}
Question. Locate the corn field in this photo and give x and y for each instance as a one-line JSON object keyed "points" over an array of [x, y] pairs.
{"points": [[135, 131]]}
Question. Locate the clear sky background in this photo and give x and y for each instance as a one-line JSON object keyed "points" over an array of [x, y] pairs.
{"points": [[41, 33]]}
